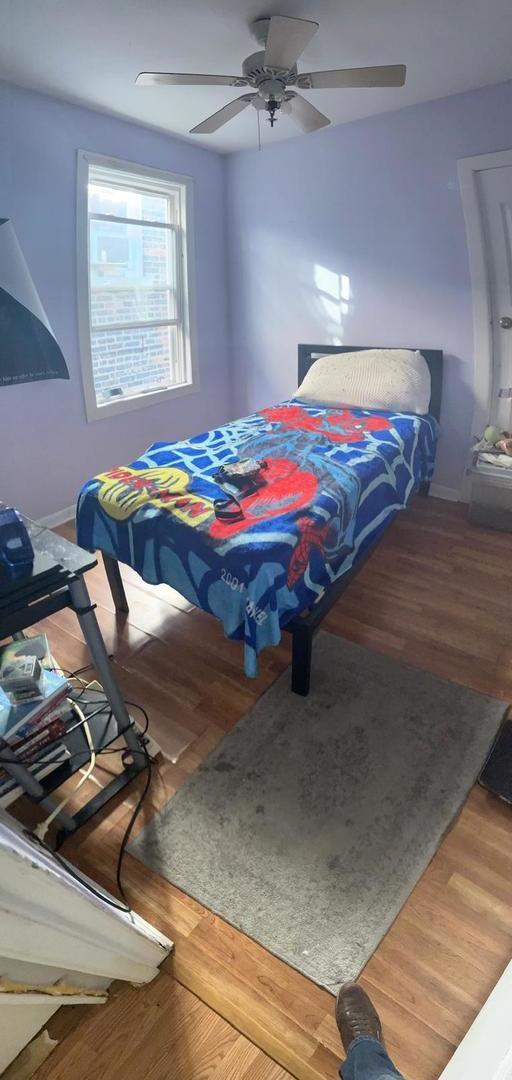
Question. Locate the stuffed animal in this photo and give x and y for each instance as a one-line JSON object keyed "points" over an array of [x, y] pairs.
{"points": [[493, 434], [505, 444], [495, 440]]}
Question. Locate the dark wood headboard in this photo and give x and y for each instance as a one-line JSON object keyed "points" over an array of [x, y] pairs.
{"points": [[434, 358]]}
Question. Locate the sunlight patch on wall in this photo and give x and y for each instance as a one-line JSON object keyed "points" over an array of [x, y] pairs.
{"points": [[334, 295]]}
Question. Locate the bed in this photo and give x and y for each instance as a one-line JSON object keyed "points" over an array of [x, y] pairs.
{"points": [[264, 521]]}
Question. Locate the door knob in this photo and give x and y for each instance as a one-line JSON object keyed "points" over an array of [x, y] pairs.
{"points": [[506, 322]]}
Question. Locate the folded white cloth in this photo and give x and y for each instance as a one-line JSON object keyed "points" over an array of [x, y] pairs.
{"points": [[503, 460]]}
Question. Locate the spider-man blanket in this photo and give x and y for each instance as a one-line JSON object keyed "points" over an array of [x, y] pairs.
{"points": [[331, 481]]}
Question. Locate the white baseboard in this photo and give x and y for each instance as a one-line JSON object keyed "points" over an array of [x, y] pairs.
{"points": [[59, 517], [441, 492]]}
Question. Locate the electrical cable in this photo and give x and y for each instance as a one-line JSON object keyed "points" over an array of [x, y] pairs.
{"points": [[42, 828], [30, 762], [125, 906], [99, 750], [84, 882], [129, 828], [90, 716]]}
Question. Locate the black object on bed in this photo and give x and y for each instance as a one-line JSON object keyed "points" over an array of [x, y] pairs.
{"points": [[302, 626]]}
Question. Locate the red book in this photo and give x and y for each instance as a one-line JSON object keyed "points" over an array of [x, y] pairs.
{"points": [[23, 720], [44, 735], [29, 748]]}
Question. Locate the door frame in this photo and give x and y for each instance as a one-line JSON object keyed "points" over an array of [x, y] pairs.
{"points": [[468, 169], [486, 1049]]}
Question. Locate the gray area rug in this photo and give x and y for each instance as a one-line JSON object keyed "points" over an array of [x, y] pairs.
{"points": [[311, 822]]}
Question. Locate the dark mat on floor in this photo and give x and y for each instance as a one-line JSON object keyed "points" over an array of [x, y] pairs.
{"points": [[310, 823]]}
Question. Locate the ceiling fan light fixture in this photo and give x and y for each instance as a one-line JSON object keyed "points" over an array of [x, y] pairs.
{"points": [[271, 106], [272, 89], [271, 73]]}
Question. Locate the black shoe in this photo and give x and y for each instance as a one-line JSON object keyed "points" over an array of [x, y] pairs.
{"points": [[355, 1015]]}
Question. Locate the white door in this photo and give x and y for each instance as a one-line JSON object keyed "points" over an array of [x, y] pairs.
{"points": [[55, 928], [485, 1053], [494, 188]]}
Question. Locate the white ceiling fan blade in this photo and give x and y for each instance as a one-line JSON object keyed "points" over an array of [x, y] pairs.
{"points": [[168, 78], [343, 78], [286, 40], [304, 113], [217, 119]]}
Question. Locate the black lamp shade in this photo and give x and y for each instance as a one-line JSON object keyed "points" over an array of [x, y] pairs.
{"points": [[28, 349]]}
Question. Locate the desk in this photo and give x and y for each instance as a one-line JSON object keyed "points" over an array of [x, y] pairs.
{"points": [[55, 582]]}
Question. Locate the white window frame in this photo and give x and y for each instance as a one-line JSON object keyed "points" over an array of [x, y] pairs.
{"points": [[185, 256]]}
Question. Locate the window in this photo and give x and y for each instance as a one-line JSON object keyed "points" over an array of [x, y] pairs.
{"points": [[134, 258]]}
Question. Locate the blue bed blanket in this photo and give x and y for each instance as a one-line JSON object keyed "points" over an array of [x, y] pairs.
{"points": [[258, 543]]}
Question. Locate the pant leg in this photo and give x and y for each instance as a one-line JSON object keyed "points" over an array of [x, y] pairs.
{"points": [[368, 1060]]}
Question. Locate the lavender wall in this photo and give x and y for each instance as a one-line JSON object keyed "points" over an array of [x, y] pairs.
{"points": [[355, 235], [378, 202], [47, 449]]}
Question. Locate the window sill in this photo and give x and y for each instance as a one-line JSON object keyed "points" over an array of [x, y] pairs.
{"points": [[142, 401]]}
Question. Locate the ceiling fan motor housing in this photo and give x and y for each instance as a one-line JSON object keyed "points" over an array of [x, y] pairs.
{"points": [[270, 82]]}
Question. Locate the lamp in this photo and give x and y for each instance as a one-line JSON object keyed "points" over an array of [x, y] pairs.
{"points": [[28, 349]]}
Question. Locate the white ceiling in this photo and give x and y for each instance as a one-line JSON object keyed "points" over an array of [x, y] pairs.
{"points": [[90, 51]]}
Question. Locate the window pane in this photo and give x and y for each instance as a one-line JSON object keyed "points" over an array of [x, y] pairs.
{"points": [[129, 362], [118, 305], [125, 202], [132, 273], [131, 254]]}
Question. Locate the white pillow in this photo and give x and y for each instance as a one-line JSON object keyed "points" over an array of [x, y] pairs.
{"points": [[396, 380]]}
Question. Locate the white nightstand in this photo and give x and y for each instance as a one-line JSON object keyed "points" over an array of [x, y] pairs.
{"points": [[491, 498]]}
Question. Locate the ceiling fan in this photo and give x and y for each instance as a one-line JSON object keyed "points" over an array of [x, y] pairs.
{"points": [[273, 75]]}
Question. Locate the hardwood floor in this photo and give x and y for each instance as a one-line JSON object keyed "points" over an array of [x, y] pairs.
{"points": [[437, 594], [162, 1033]]}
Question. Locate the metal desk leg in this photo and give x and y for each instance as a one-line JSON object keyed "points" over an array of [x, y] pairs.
{"points": [[31, 786], [85, 613]]}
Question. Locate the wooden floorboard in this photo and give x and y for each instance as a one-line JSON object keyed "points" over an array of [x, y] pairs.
{"points": [[437, 594]]}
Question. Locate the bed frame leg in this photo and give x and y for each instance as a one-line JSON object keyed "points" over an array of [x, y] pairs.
{"points": [[424, 487], [302, 645], [116, 583]]}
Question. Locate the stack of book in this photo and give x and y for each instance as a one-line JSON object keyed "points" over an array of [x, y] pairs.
{"points": [[32, 728]]}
